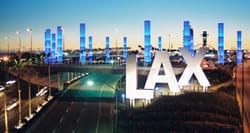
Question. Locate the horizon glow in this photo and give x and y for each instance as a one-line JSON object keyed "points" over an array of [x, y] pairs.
{"points": [[127, 16]]}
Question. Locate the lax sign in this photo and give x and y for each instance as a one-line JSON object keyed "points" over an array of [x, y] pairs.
{"points": [[162, 58]]}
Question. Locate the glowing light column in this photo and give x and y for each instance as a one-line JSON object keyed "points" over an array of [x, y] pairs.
{"points": [[107, 51], [90, 55], [159, 43], [47, 44], [59, 44], [124, 49], [191, 42], [147, 42], [239, 48], [186, 34], [53, 48], [220, 43], [82, 43]]}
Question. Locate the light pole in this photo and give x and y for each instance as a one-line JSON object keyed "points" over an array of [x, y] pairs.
{"points": [[5, 112], [5, 99], [49, 79], [20, 124], [119, 60], [19, 42], [49, 97], [169, 46], [7, 38], [30, 31], [19, 101], [30, 115], [116, 59], [116, 111]]}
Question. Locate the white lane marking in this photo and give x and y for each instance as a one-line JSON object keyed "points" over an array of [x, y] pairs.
{"points": [[61, 120], [54, 130], [73, 131], [78, 120], [99, 111], [82, 110], [67, 110], [82, 107]]}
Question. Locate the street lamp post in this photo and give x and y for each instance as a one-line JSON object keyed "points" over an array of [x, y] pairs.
{"points": [[169, 46], [116, 59], [5, 112], [49, 81], [116, 113], [19, 42], [5, 109], [29, 101], [19, 100], [19, 103], [20, 124], [30, 31], [7, 38]]}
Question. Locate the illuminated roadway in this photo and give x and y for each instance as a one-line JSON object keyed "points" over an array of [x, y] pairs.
{"points": [[82, 108], [246, 87]]}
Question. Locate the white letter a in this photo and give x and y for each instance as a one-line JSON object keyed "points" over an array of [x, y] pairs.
{"points": [[169, 77]]}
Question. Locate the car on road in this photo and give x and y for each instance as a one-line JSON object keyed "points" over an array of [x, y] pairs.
{"points": [[42, 92], [12, 104], [2, 87], [10, 82]]}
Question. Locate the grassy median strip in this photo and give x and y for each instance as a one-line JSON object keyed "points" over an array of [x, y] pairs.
{"points": [[190, 112]]}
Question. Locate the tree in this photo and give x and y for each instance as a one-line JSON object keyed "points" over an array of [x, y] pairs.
{"points": [[40, 58]]}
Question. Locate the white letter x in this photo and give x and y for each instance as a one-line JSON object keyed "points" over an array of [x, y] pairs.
{"points": [[193, 67]]}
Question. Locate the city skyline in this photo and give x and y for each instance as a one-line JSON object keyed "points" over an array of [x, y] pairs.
{"points": [[128, 16]]}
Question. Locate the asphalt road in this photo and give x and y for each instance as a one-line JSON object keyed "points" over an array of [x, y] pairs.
{"points": [[246, 86], [87, 106]]}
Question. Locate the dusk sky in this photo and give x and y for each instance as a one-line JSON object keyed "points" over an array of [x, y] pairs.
{"points": [[102, 17]]}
